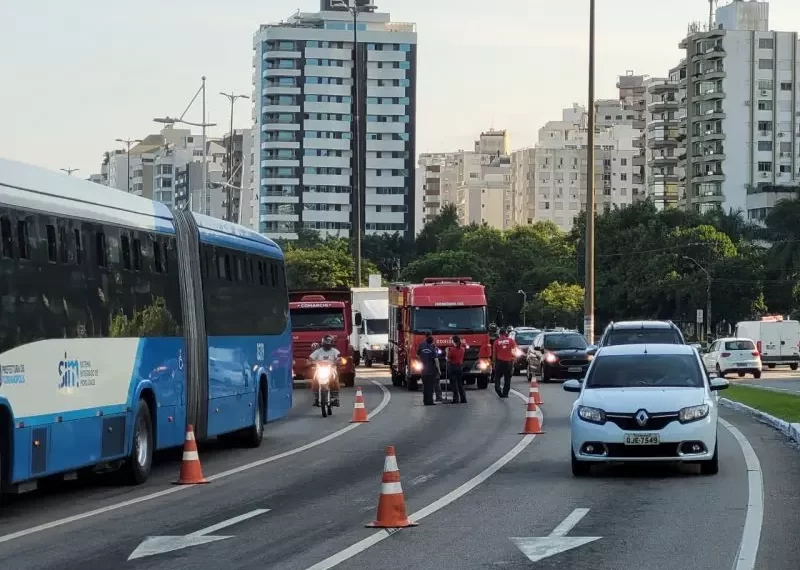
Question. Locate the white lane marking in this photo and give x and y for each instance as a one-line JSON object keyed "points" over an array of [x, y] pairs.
{"points": [[387, 396], [375, 538], [229, 522], [754, 519], [569, 523], [153, 545]]}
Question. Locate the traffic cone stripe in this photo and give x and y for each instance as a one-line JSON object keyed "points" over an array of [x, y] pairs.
{"points": [[390, 465], [191, 456], [359, 405], [189, 436], [391, 488]]}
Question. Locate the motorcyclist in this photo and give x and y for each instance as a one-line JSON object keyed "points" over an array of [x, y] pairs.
{"points": [[326, 353]]}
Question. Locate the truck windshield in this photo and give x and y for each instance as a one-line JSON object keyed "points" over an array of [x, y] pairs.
{"points": [[377, 326], [449, 320], [317, 319]]}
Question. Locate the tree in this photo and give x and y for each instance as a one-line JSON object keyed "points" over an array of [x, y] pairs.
{"points": [[325, 267], [559, 304]]}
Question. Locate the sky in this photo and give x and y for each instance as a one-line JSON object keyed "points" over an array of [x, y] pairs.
{"points": [[76, 75]]}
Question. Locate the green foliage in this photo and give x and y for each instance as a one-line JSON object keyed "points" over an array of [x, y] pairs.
{"points": [[153, 320], [649, 264], [558, 304]]}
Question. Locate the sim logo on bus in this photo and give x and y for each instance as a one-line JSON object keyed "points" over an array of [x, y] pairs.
{"points": [[69, 373]]}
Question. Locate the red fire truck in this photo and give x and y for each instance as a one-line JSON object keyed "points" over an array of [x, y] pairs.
{"points": [[315, 314], [443, 307]]}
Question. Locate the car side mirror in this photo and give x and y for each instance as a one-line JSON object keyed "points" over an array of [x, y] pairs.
{"points": [[358, 318], [538, 348], [572, 386], [718, 383], [591, 350]]}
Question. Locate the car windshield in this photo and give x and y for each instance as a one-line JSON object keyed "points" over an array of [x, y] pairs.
{"points": [[377, 326], [449, 320], [317, 319], [564, 341], [739, 345], [525, 337], [645, 370], [642, 336]]}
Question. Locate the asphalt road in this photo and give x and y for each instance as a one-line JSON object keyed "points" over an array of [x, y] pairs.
{"points": [[781, 379], [468, 476]]}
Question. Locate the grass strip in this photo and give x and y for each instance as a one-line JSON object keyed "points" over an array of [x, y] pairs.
{"points": [[779, 404]]}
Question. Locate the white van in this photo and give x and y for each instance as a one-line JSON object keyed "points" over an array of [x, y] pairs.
{"points": [[777, 340]]}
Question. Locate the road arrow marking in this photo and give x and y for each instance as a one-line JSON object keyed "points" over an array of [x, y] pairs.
{"points": [[153, 545], [539, 547]]}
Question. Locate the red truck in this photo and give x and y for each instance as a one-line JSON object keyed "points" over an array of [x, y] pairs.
{"points": [[443, 307], [315, 314]]}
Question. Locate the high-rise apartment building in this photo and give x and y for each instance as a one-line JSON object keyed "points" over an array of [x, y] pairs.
{"points": [[237, 174], [549, 180], [743, 112], [633, 98], [664, 141], [314, 96]]}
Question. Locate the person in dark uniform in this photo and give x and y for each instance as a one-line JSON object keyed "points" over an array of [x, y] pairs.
{"points": [[504, 362], [493, 334], [455, 370], [427, 354]]}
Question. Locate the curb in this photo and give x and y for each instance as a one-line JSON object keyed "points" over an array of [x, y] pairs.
{"points": [[790, 430]]}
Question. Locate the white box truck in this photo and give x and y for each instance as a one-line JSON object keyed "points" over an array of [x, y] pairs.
{"points": [[371, 318], [777, 339]]}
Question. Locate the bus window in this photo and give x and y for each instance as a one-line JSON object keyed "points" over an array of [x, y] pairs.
{"points": [[100, 249], [52, 250], [137, 255], [62, 244], [8, 240], [126, 251], [22, 238]]}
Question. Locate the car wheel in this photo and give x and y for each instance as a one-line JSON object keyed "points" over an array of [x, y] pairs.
{"points": [[793, 366], [579, 468], [757, 374], [530, 374], [720, 373], [711, 467]]}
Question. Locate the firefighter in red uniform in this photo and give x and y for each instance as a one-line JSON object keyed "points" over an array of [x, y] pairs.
{"points": [[504, 362]]}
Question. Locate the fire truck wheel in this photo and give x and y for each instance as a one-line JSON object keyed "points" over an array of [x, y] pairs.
{"points": [[412, 384], [483, 382], [349, 380]]}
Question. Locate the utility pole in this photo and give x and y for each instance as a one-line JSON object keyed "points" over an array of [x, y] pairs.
{"points": [[709, 283], [128, 143], [588, 301], [232, 97], [69, 170]]}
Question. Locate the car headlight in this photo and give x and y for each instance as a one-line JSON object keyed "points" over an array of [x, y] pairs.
{"points": [[376, 347], [551, 358], [518, 352], [416, 366], [693, 413], [592, 415], [483, 364]]}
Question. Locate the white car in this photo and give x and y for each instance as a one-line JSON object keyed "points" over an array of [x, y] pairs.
{"points": [[733, 355], [645, 402]]}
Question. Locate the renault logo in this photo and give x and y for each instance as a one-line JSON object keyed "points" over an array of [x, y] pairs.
{"points": [[641, 417]]}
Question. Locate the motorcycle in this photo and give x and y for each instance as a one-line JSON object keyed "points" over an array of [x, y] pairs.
{"points": [[324, 374]]}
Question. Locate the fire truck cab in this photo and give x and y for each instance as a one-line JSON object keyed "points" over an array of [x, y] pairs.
{"points": [[442, 307], [315, 314]]}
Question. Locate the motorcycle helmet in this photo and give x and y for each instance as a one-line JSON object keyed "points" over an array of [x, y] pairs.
{"points": [[327, 342]]}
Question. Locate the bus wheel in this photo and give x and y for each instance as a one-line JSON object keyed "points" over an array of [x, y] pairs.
{"points": [[141, 459], [255, 433]]}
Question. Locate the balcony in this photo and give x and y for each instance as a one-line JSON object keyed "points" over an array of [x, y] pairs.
{"points": [[662, 178], [710, 96], [665, 87], [663, 160], [717, 52], [717, 155], [709, 176], [663, 122], [711, 136], [713, 73]]}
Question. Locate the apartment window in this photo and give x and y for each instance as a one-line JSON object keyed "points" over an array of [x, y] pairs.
{"points": [[623, 176], [766, 43], [765, 125], [786, 147], [765, 63], [765, 146], [786, 85], [623, 162], [765, 84], [785, 168], [765, 105], [765, 167]]}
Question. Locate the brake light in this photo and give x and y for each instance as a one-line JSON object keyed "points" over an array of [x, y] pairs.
{"points": [[755, 353], [725, 354], [758, 346]]}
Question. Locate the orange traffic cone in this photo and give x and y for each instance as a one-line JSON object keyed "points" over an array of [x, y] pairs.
{"points": [[533, 418], [391, 503], [533, 393], [191, 472], [359, 411]]}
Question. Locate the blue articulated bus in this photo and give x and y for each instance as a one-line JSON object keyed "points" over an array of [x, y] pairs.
{"points": [[121, 322]]}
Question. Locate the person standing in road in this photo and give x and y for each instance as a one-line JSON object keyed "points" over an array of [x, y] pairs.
{"points": [[427, 354], [455, 370], [504, 362]]}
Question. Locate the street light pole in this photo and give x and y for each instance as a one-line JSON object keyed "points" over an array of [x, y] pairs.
{"points": [[524, 302], [588, 302], [232, 97], [128, 143], [356, 144], [709, 282], [69, 170]]}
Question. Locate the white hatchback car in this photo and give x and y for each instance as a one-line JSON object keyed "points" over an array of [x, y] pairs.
{"points": [[733, 356], [645, 402]]}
